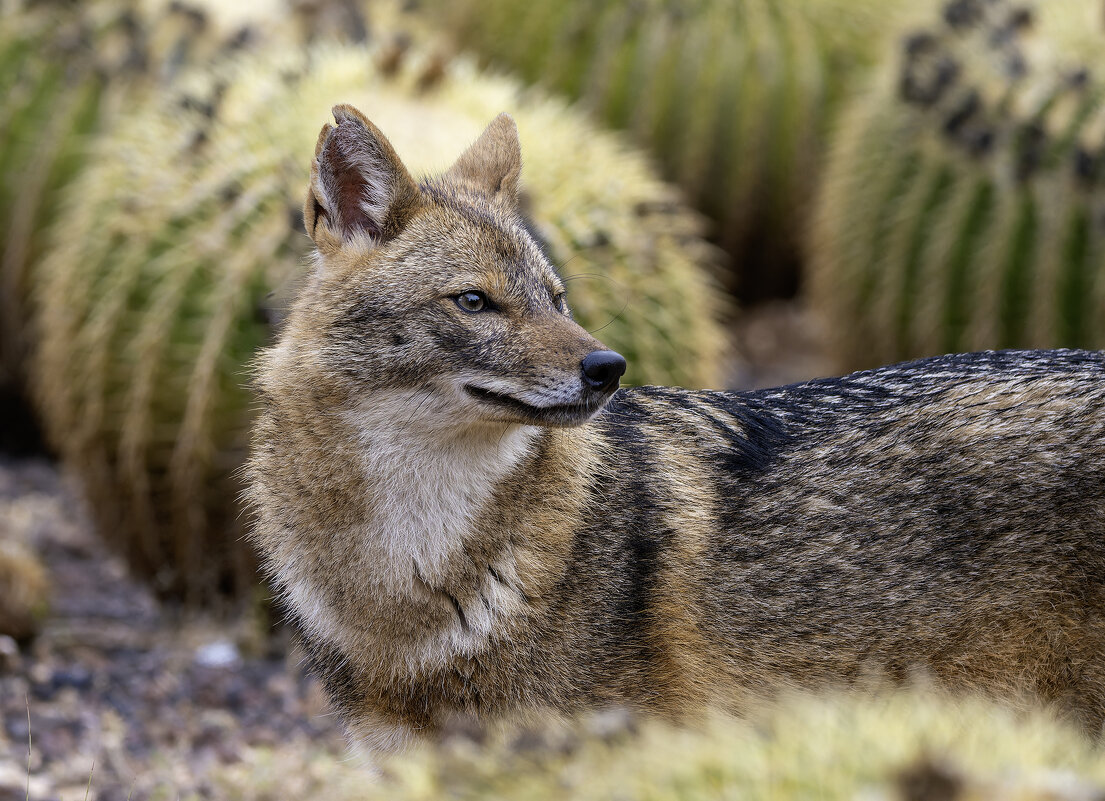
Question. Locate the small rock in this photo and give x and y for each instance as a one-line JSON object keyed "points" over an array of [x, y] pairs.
{"points": [[9, 653], [75, 676], [17, 728], [16, 786], [218, 654]]}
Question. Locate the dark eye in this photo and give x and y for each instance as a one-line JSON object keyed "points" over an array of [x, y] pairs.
{"points": [[561, 301], [473, 301]]}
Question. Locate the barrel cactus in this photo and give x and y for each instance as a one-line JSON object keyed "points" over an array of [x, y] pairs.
{"points": [[184, 233], [905, 746], [732, 97], [962, 208], [67, 68], [63, 68], [50, 87]]}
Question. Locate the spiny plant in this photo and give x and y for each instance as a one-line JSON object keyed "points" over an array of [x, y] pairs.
{"points": [[159, 287], [963, 207], [67, 68], [63, 67], [913, 746], [732, 97], [49, 94]]}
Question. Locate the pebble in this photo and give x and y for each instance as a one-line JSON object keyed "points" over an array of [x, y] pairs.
{"points": [[15, 785], [218, 654], [9, 653]]}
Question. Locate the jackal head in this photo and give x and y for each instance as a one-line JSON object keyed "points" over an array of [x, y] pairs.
{"points": [[438, 289]]}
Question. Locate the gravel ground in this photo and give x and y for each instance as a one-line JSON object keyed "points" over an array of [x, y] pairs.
{"points": [[119, 691]]}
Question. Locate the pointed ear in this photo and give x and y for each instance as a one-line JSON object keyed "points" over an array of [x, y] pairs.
{"points": [[493, 163], [358, 184]]}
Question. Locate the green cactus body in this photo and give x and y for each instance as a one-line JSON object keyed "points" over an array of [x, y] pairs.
{"points": [[971, 220], [961, 208], [43, 113], [155, 293], [65, 71], [733, 97]]}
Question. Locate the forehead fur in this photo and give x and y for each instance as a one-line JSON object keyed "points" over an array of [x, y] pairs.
{"points": [[480, 228]]}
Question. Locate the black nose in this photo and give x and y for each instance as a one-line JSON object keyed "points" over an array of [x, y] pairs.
{"points": [[603, 368]]}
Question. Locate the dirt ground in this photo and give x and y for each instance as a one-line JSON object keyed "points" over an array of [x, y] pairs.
{"points": [[120, 698]]}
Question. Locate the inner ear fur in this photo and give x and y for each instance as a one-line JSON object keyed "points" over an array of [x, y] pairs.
{"points": [[359, 185], [493, 163]]}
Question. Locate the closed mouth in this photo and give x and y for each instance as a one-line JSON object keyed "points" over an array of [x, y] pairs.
{"points": [[560, 414]]}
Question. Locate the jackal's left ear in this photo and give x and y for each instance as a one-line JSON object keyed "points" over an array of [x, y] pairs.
{"points": [[358, 184], [493, 163]]}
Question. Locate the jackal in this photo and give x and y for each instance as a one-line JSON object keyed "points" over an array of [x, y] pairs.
{"points": [[464, 515]]}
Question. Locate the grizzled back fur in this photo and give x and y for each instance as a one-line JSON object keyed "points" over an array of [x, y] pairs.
{"points": [[464, 518]]}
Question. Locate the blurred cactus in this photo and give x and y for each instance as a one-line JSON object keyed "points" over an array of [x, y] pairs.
{"points": [[732, 97], [964, 204], [907, 746], [157, 291], [49, 93], [67, 68], [63, 68]]}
